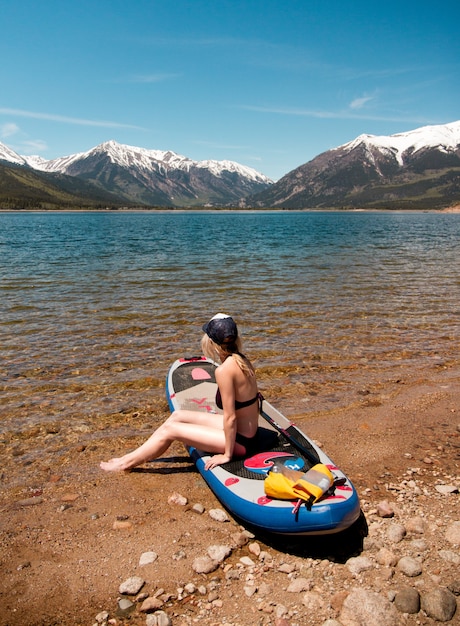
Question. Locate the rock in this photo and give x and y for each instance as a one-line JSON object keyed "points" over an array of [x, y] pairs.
{"points": [[132, 585], [386, 557], [102, 617], [204, 565], [179, 555], [384, 509], [300, 584], [240, 539], [218, 515], [119, 525], [313, 602], [440, 604], [454, 587], [446, 489], [151, 604], [159, 618], [249, 590], [176, 498], [367, 608], [286, 568], [450, 556], [331, 622], [30, 501], [408, 600], [147, 558], [219, 553], [125, 606], [254, 548], [409, 566], [453, 533], [396, 533], [358, 564], [198, 508], [338, 599], [416, 525], [264, 590]]}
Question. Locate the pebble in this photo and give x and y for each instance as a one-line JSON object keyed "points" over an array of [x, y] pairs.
{"points": [[446, 489], [384, 509], [151, 604], [119, 525], [358, 564], [198, 508], [204, 565], [147, 558], [219, 515], [219, 553], [300, 584], [159, 618], [450, 556], [407, 600], [409, 566], [313, 602], [125, 606], [132, 585], [177, 498], [29, 501], [416, 525], [396, 533], [453, 533], [386, 557]]}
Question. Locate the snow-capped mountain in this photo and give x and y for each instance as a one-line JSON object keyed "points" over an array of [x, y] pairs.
{"points": [[420, 168], [155, 177], [10, 156], [141, 158]]}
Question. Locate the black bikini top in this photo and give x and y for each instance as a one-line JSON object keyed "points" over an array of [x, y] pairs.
{"points": [[238, 404]]}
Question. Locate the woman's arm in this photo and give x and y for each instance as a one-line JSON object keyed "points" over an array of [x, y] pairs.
{"points": [[227, 392]]}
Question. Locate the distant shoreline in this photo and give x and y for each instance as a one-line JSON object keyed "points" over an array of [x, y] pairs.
{"points": [[452, 209]]}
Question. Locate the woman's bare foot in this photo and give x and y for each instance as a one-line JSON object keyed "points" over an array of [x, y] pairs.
{"points": [[115, 465]]}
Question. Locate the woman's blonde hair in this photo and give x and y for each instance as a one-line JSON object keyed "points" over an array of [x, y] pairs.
{"points": [[214, 351]]}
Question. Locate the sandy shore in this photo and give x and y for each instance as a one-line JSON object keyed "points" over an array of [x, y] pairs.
{"points": [[70, 534]]}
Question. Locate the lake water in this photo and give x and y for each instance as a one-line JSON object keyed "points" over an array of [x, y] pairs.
{"points": [[332, 306]]}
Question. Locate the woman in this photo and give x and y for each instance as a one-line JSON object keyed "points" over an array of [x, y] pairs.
{"points": [[224, 435]]}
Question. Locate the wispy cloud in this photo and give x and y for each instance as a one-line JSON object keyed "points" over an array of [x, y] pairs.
{"points": [[145, 79], [359, 103], [8, 130], [338, 115], [51, 117], [33, 146]]}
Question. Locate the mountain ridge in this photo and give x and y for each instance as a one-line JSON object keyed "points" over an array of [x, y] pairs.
{"points": [[415, 169]]}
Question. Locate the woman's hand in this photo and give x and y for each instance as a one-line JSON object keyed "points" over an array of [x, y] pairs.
{"points": [[217, 459]]}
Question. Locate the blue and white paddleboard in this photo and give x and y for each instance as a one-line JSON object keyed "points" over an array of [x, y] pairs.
{"points": [[239, 484]]}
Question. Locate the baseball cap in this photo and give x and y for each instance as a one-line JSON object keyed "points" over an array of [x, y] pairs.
{"points": [[221, 328]]}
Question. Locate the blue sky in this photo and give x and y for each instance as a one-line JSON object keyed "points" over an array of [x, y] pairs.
{"points": [[270, 84]]}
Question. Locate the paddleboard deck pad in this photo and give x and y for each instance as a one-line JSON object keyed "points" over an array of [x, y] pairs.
{"points": [[239, 484]]}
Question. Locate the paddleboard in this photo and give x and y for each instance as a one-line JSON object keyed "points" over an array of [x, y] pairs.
{"points": [[239, 484]]}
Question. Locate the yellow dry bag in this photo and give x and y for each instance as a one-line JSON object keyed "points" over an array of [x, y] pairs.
{"points": [[310, 486]]}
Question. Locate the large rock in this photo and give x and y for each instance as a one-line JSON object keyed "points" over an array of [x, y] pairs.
{"points": [[366, 608], [440, 604]]}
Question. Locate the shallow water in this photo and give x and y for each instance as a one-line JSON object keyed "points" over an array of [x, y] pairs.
{"points": [[96, 306]]}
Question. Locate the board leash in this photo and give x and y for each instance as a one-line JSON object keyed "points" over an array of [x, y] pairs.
{"points": [[307, 452]]}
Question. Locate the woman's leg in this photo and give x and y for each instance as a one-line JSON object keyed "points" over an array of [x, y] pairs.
{"points": [[194, 428]]}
